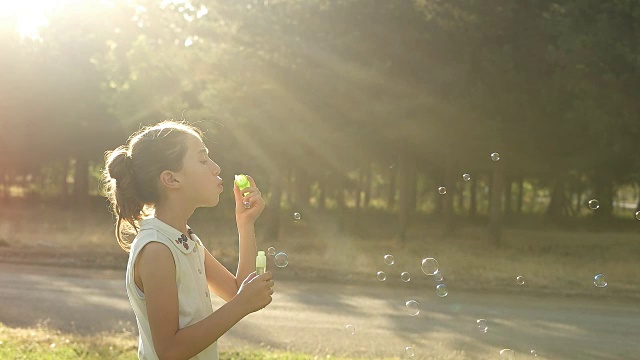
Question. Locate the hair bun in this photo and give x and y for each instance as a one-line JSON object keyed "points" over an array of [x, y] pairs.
{"points": [[120, 166]]}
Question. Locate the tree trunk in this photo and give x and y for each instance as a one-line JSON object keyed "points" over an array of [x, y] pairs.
{"points": [[406, 174], [604, 195], [638, 206], [449, 221], [495, 212], [303, 190], [520, 194], [81, 181], [556, 209], [5, 185], [341, 213], [460, 196], [358, 195], [391, 195], [367, 186], [534, 199], [578, 205], [473, 197], [272, 223], [508, 201], [322, 191]]}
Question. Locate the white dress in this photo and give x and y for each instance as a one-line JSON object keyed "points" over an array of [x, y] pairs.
{"points": [[194, 298]]}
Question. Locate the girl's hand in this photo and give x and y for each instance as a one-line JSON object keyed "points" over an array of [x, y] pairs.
{"points": [[254, 202], [255, 292]]}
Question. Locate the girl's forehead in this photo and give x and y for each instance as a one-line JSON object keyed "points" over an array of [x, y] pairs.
{"points": [[194, 144]]}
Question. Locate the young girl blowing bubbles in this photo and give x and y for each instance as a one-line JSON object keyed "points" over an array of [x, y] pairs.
{"points": [[154, 184]]}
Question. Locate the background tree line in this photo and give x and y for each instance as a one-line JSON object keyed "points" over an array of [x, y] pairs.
{"points": [[341, 105]]}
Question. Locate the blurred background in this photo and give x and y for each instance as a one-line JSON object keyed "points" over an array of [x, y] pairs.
{"points": [[474, 131]]}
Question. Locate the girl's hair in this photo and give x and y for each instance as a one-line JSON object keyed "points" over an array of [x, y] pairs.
{"points": [[130, 179]]}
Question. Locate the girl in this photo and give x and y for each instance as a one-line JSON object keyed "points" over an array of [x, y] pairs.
{"points": [[154, 184]]}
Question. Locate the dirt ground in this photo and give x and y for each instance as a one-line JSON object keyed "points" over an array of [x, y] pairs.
{"points": [[311, 316]]}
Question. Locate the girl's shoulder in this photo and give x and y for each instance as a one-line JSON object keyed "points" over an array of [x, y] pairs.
{"points": [[153, 229]]}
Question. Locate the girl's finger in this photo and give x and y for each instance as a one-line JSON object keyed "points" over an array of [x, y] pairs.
{"points": [[251, 181]]}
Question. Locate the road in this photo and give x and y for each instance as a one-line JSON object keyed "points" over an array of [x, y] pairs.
{"points": [[311, 317]]}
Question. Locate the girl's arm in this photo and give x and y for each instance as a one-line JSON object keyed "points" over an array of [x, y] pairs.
{"points": [[158, 274], [220, 280], [246, 218]]}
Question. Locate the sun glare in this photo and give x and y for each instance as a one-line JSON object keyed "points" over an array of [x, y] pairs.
{"points": [[29, 16]]}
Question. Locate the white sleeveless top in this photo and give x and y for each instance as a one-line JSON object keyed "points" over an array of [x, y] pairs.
{"points": [[194, 298]]}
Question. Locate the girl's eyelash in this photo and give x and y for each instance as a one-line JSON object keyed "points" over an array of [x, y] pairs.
{"points": [[204, 162]]}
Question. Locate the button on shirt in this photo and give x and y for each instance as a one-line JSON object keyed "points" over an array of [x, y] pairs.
{"points": [[194, 300]]}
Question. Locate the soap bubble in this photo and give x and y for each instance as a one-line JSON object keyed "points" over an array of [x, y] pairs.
{"points": [[594, 204], [410, 352], [413, 308], [466, 177], [437, 276], [441, 290], [381, 276], [638, 215], [297, 216], [482, 325], [271, 251], [429, 266], [599, 280], [281, 259], [442, 190], [534, 353], [388, 259], [405, 276], [351, 330], [520, 280], [507, 354], [495, 156]]}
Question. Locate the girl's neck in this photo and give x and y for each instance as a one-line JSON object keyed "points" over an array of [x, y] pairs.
{"points": [[174, 216]]}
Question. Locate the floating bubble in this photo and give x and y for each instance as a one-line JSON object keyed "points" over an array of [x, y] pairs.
{"points": [[381, 276], [442, 190], [389, 260], [429, 266], [271, 251], [437, 276], [482, 325], [297, 216], [351, 330], [281, 259], [405, 276], [534, 353], [413, 308], [638, 215], [600, 281], [466, 177], [507, 354], [441, 290], [594, 204], [410, 352], [495, 156], [520, 280]]}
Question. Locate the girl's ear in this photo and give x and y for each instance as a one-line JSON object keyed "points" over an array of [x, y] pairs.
{"points": [[168, 179]]}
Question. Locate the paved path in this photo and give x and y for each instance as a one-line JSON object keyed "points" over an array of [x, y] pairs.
{"points": [[311, 317]]}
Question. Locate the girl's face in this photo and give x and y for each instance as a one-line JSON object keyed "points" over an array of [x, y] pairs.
{"points": [[199, 176]]}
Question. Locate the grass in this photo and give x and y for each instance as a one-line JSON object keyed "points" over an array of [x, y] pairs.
{"points": [[43, 343]]}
